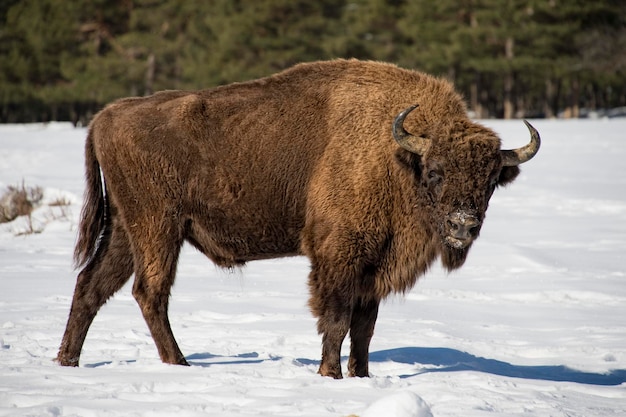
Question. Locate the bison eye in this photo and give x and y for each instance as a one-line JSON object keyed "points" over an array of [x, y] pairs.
{"points": [[434, 184], [434, 177]]}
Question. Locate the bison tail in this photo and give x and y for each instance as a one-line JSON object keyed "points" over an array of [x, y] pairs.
{"points": [[94, 214]]}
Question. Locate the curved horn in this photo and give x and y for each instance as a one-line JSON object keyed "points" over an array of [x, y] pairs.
{"points": [[414, 144], [518, 156]]}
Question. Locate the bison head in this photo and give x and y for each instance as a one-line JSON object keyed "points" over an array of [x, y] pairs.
{"points": [[457, 167]]}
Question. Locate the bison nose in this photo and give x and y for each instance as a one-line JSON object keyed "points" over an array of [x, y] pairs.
{"points": [[462, 226]]}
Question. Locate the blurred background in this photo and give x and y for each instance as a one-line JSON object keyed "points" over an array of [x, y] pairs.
{"points": [[63, 60]]}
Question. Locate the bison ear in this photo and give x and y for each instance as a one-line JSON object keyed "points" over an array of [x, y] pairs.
{"points": [[409, 160], [507, 175]]}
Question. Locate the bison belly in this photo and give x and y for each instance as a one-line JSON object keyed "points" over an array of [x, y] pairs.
{"points": [[233, 234]]}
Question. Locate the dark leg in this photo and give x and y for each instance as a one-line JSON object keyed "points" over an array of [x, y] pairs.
{"points": [[331, 302], [362, 324], [155, 269], [107, 272], [333, 325]]}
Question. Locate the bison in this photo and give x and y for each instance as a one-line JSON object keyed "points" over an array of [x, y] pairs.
{"points": [[316, 160]]}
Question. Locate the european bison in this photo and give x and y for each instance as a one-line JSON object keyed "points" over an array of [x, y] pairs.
{"points": [[316, 160]]}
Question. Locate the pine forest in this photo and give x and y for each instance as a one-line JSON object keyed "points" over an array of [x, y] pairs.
{"points": [[64, 60]]}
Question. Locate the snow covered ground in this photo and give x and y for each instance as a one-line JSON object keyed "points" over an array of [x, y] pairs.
{"points": [[534, 324]]}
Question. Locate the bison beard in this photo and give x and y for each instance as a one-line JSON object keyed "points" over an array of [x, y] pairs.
{"points": [[316, 160], [453, 258]]}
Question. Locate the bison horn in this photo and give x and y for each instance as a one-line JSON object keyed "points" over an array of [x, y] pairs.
{"points": [[518, 156], [414, 144]]}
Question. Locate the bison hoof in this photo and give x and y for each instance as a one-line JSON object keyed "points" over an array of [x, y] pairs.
{"points": [[333, 372], [66, 361], [359, 374], [182, 361], [175, 360]]}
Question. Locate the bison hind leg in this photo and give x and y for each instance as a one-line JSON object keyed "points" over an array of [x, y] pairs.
{"points": [[104, 275], [155, 271]]}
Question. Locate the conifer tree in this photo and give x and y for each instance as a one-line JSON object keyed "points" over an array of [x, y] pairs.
{"points": [[65, 60]]}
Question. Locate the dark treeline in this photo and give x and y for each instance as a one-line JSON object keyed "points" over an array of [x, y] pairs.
{"points": [[63, 60]]}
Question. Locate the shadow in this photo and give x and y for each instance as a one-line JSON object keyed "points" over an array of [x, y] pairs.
{"points": [[208, 359], [307, 362], [204, 360], [433, 360], [104, 363], [450, 360]]}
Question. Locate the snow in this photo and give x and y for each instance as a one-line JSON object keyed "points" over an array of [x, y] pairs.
{"points": [[534, 324], [399, 404]]}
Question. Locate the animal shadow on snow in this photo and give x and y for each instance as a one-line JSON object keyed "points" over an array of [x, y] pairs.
{"points": [[432, 360], [199, 359], [440, 360], [205, 360], [451, 360]]}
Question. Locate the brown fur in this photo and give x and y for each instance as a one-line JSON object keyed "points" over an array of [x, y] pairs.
{"points": [[299, 163]]}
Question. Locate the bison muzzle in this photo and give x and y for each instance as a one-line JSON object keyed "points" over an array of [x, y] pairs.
{"points": [[371, 171]]}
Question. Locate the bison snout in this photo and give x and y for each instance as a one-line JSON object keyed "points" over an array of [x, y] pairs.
{"points": [[461, 228]]}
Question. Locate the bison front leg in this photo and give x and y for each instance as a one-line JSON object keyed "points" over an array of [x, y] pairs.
{"points": [[362, 324], [331, 301], [333, 325]]}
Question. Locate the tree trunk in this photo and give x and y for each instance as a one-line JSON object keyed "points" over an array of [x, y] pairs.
{"points": [[508, 80], [575, 97], [548, 101], [573, 110], [475, 103], [149, 82]]}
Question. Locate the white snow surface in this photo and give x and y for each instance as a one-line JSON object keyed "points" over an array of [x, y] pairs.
{"points": [[534, 324], [399, 404]]}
